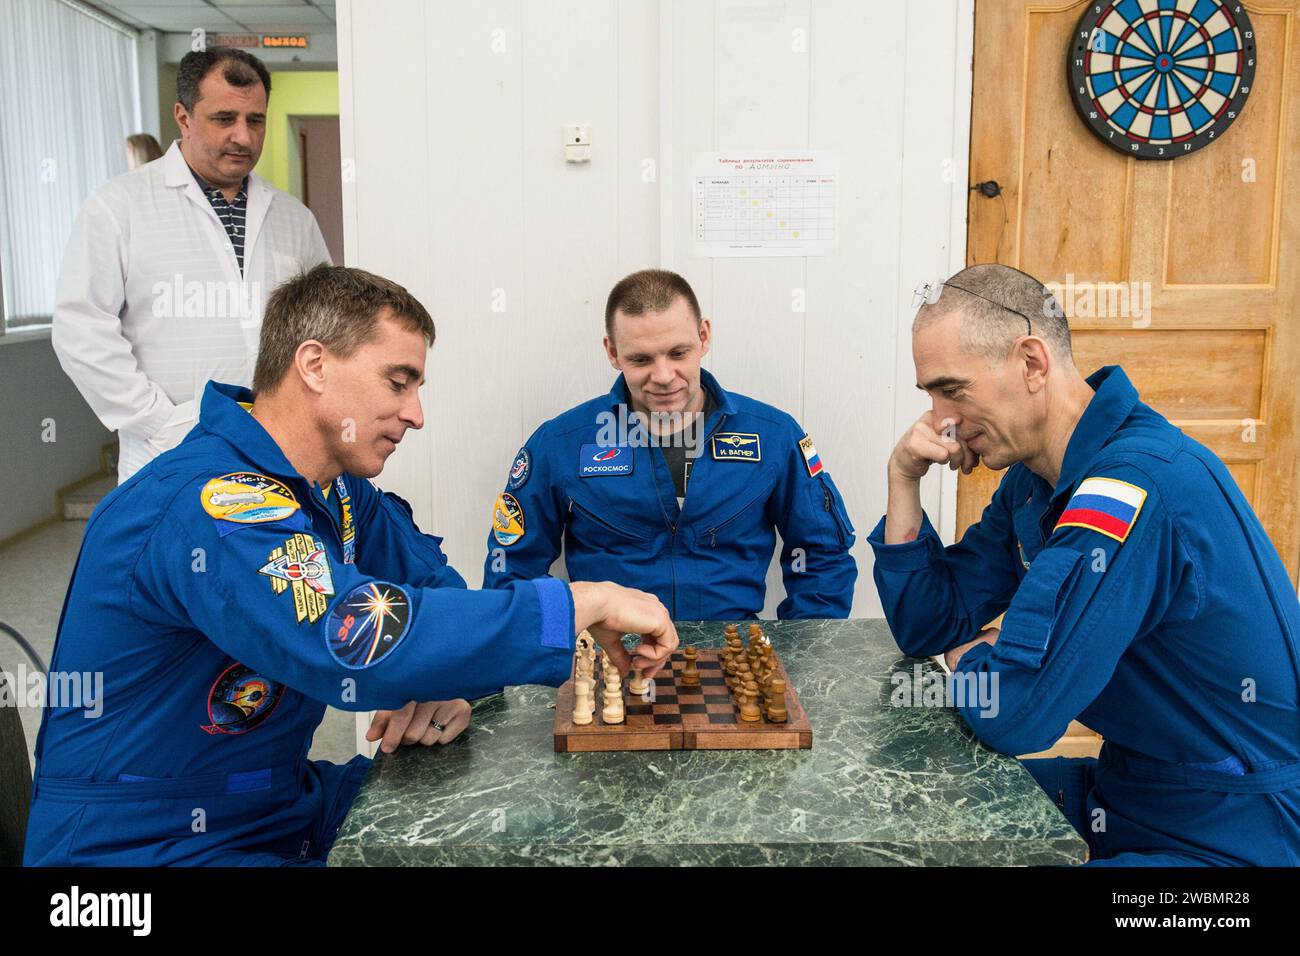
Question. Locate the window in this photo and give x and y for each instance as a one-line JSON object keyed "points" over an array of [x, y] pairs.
{"points": [[69, 97]]}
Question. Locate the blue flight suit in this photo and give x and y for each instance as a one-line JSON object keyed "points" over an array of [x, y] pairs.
{"points": [[757, 473], [227, 600], [1172, 632]]}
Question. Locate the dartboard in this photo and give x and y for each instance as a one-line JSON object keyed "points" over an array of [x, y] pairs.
{"points": [[1158, 79]]}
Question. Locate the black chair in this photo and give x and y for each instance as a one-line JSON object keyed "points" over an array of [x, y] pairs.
{"points": [[15, 781], [15, 768]]}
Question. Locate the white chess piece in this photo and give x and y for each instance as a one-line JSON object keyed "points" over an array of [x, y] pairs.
{"points": [[613, 694], [584, 684], [584, 700], [638, 684]]}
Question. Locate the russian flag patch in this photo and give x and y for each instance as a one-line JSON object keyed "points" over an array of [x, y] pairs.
{"points": [[1106, 505], [810, 456]]}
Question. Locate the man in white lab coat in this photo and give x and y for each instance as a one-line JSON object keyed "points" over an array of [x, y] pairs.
{"points": [[168, 266]]}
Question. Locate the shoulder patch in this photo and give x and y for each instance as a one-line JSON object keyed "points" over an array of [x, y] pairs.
{"points": [[246, 497], [812, 461], [520, 468], [302, 566], [367, 624], [737, 446], [1105, 505], [507, 519]]}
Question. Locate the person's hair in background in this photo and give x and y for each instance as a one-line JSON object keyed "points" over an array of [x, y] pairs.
{"points": [[337, 306], [650, 290], [239, 69], [141, 148]]}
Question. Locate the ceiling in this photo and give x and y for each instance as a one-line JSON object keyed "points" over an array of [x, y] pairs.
{"points": [[223, 16]]}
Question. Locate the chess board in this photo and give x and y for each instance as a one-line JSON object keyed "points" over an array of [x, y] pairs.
{"points": [[678, 717]]}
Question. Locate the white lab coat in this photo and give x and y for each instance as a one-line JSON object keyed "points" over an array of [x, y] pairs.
{"points": [[150, 303]]}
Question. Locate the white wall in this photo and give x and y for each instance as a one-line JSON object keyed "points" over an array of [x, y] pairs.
{"points": [[35, 393], [451, 116]]}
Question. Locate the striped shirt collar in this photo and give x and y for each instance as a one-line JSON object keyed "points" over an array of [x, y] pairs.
{"points": [[209, 189]]}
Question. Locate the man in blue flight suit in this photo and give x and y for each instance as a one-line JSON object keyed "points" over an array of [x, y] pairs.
{"points": [[1141, 593], [241, 582], [683, 495]]}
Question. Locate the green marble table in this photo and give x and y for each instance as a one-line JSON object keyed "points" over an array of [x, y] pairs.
{"points": [[882, 784]]}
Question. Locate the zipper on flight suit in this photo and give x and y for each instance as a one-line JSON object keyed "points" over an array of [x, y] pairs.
{"points": [[672, 526], [830, 510], [1047, 520], [713, 532], [601, 521], [672, 530], [319, 500]]}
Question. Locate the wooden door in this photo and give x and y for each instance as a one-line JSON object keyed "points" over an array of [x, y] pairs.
{"points": [[322, 177], [1215, 234]]}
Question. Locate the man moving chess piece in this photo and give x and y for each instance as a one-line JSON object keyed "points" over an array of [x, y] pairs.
{"points": [[610, 480], [223, 671]]}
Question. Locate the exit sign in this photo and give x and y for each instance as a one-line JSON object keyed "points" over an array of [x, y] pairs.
{"points": [[296, 42]]}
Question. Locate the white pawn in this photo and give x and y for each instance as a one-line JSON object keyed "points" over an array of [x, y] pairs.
{"points": [[584, 700], [613, 694]]}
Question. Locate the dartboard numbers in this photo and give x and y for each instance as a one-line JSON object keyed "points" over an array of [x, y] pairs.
{"points": [[1157, 79]]}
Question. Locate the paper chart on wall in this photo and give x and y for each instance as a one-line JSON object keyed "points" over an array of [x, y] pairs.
{"points": [[766, 203]]}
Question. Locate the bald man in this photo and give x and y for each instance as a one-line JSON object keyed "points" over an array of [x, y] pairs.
{"points": [[1141, 594]]}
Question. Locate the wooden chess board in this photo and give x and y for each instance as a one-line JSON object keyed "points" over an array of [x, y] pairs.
{"points": [[679, 717]]}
